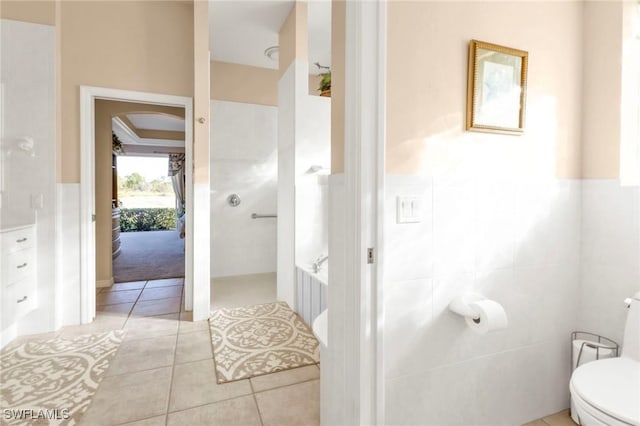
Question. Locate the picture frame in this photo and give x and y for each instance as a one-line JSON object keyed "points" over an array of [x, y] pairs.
{"points": [[496, 89]]}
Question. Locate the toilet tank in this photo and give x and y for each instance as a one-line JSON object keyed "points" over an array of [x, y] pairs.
{"points": [[631, 342]]}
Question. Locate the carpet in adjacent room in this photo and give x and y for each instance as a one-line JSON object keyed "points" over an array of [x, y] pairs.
{"points": [[149, 255]]}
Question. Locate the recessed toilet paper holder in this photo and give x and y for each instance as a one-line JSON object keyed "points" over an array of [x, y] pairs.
{"points": [[461, 305]]}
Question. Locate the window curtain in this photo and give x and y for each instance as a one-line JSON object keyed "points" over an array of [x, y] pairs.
{"points": [[176, 171]]}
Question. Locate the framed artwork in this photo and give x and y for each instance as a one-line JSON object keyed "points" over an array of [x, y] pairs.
{"points": [[497, 87]]}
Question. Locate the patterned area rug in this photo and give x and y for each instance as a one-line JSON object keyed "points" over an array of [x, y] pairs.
{"points": [[260, 339], [51, 382]]}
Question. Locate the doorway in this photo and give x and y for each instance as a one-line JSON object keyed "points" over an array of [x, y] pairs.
{"points": [[88, 192]]}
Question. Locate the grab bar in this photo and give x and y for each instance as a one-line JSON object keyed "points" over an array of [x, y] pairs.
{"points": [[262, 216]]}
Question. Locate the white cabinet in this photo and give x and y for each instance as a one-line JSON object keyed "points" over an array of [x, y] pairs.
{"points": [[19, 274]]}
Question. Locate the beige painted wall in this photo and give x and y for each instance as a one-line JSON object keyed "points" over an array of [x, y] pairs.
{"points": [[338, 26], [37, 12], [250, 85], [132, 45], [104, 112], [293, 39], [201, 89], [426, 88], [602, 88], [244, 83]]}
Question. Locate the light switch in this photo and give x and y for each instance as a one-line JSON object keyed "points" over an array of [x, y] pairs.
{"points": [[408, 209], [37, 201]]}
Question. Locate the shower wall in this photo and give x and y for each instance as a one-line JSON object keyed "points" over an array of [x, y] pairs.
{"points": [[244, 162]]}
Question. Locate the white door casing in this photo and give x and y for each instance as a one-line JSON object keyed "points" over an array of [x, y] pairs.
{"points": [[88, 96], [365, 88]]}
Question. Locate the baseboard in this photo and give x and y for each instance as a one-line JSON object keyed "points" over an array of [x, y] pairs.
{"points": [[104, 283]]}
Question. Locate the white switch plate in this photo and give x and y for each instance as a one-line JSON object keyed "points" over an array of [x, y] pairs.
{"points": [[37, 201], [408, 209]]}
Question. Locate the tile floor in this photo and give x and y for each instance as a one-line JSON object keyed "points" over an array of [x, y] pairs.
{"points": [[558, 419], [229, 292], [163, 373]]}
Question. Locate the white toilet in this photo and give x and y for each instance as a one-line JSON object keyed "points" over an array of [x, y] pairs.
{"points": [[607, 392]]}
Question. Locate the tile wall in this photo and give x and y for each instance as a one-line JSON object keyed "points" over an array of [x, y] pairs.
{"points": [[514, 241]]}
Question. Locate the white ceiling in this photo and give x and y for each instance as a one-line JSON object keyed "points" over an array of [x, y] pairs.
{"points": [[152, 121], [240, 30]]}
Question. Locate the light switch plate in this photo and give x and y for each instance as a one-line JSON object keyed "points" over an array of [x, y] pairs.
{"points": [[37, 201], [408, 209]]}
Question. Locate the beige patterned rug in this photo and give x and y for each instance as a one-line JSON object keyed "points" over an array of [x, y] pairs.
{"points": [[51, 382], [260, 339]]}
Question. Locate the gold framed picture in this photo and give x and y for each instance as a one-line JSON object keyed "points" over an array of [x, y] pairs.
{"points": [[496, 89]]}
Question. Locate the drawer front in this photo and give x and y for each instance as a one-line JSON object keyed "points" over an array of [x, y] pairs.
{"points": [[22, 297], [18, 300], [20, 265], [18, 240]]}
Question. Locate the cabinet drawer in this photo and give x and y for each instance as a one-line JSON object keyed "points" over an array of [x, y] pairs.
{"points": [[19, 265], [21, 298], [18, 240]]}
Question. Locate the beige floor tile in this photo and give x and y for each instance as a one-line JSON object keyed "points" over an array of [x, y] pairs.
{"points": [[187, 325], [119, 309], [233, 412], [143, 354], [284, 378], [165, 283], [161, 293], [147, 327], [536, 423], [153, 421], [560, 419], [133, 285], [129, 397], [230, 292], [156, 307], [115, 297], [195, 384], [291, 405], [193, 347]]}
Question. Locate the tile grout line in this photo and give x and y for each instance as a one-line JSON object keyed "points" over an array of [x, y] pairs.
{"points": [[175, 356], [173, 370], [134, 304], [286, 386], [255, 400]]}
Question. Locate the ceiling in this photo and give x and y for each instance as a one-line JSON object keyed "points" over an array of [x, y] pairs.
{"points": [[240, 30], [156, 121], [167, 130]]}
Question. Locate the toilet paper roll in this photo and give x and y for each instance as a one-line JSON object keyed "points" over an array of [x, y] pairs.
{"points": [[491, 317], [589, 353]]}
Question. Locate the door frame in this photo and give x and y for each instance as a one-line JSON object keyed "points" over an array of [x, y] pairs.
{"points": [[88, 96], [365, 135]]}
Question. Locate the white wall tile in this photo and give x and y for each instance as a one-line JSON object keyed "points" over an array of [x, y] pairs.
{"points": [[408, 246], [28, 110], [513, 241], [408, 315], [454, 213], [244, 162], [68, 235], [506, 388], [610, 267]]}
